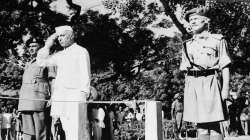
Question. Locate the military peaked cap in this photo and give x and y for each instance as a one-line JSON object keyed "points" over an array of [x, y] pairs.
{"points": [[176, 95], [202, 11]]}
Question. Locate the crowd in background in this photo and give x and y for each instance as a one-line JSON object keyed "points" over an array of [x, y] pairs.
{"points": [[114, 115], [107, 125], [105, 121], [238, 115], [10, 121], [236, 123]]}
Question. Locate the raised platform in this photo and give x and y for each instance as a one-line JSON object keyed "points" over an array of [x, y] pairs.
{"points": [[238, 138], [230, 138]]}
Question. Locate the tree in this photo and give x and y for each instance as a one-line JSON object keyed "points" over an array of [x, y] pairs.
{"points": [[128, 61], [20, 23], [234, 29], [230, 19], [155, 59]]}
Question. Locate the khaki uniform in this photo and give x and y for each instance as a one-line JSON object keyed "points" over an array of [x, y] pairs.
{"points": [[202, 94], [35, 85]]}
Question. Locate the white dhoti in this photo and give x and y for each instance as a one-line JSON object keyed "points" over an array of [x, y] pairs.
{"points": [[67, 104]]}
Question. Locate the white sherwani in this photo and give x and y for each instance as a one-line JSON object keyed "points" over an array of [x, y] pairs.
{"points": [[72, 82], [71, 86]]}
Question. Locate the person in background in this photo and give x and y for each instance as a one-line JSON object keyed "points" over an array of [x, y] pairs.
{"points": [[95, 129], [1, 119], [177, 113], [72, 82], [244, 119], [6, 125], [120, 114], [111, 121], [205, 61], [100, 117], [96, 116], [130, 115], [139, 115], [13, 122], [36, 89], [18, 125], [226, 123]]}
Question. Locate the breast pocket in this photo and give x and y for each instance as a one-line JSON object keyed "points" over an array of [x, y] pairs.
{"points": [[39, 72], [42, 89], [32, 73], [210, 51]]}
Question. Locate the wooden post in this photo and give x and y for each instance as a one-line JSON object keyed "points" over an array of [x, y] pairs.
{"points": [[153, 122]]}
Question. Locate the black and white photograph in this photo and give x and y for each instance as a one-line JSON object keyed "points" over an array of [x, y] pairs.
{"points": [[124, 69]]}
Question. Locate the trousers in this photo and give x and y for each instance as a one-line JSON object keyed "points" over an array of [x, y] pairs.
{"points": [[34, 127]]}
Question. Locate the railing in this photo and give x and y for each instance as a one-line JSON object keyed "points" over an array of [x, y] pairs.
{"points": [[149, 127]]}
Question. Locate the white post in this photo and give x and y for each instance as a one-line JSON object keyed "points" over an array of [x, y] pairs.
{"points": [[153, 122], [83, 129]]}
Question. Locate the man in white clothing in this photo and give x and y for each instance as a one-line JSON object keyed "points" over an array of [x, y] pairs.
{"points": [[72, 82]]}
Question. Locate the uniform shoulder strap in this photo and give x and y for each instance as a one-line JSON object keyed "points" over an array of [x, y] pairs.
{"points": [[192, 63], [217, 36]]}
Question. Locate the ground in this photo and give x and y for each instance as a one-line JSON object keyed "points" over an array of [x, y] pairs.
{"points": [[238, 138], [230, 138]]}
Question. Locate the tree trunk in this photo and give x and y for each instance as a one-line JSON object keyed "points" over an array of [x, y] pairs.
{"points": [[170, 12]]}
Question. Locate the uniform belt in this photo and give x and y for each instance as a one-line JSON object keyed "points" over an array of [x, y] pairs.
{"points": [[36, 80], [41, 80], [198, 73], [179, 111]]}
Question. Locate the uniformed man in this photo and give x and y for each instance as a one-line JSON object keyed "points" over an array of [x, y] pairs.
{"points": [[205, 58], [35, 88]]}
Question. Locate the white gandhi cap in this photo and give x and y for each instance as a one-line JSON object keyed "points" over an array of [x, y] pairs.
{"points": [[62, 29]]}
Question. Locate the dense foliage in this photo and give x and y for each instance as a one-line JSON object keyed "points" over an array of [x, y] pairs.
{"points": [[233, 22], [128, 61]]}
